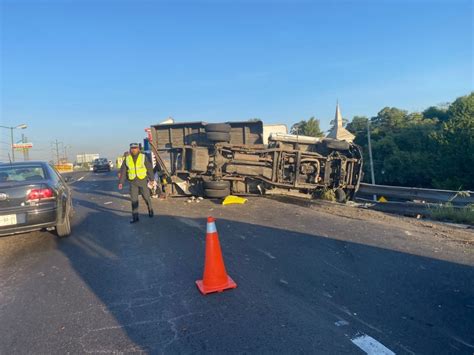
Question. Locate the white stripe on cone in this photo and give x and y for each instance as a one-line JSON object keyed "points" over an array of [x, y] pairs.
{"points": [[211, 228]]}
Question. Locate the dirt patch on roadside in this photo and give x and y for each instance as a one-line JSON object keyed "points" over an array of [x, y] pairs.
{"points": [[447, 231]]}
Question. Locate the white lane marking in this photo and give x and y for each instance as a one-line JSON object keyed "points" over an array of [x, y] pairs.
{"points": [[267, 254], [371, 346], [459, 340], [336, 268], [107, 203], [284, 281], [80, 179]]}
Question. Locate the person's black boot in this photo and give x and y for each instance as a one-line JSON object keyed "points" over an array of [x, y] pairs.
{"points": [[134, 219], [151, 213]]}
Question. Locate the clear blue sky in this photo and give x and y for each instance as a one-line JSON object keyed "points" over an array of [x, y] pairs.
{"points": [[93, 74]]}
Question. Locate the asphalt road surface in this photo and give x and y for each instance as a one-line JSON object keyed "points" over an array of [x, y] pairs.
{"points": [[309, 281]]}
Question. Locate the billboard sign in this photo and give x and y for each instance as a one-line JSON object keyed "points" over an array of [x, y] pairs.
{"points": [[22, 145]]}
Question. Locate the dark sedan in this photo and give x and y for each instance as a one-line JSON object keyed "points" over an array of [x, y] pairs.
{"points": [[33, 196], [101, 164]]}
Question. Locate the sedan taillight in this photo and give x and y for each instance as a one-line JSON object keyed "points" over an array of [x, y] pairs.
{"points": [[40, 194]]}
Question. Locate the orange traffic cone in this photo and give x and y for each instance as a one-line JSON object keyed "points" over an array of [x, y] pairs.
{"points": [[215, 277]]}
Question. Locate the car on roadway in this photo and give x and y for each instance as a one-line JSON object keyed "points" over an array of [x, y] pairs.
{"points": [[101, 164], [34, 196]]}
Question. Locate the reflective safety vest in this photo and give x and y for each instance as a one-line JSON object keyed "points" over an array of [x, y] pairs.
{"points": [[136, 169]]}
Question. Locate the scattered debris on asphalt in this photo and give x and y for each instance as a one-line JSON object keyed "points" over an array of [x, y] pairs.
{"points": [[194, 199], [230, 200]]}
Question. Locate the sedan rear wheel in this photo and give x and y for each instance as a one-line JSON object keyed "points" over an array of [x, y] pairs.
{"points": [[64, 229]]}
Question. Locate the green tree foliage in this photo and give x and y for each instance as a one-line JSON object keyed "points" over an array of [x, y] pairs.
{"points": [[307, 128], [390, 117], [358, 125], [436, 112], [434, 148], [345, 121], [456, 145]]}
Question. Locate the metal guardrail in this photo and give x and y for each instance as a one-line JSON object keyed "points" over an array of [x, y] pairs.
{"points": [[403, 208], [414, 193]]}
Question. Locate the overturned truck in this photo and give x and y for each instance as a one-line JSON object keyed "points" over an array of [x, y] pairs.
{"points": [[216, 160]]}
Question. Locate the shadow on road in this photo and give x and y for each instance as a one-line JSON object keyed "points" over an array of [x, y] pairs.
{"points": [[292, 288]]}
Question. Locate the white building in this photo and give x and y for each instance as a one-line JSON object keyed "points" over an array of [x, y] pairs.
{"points": [[86, 158], [338, 131]]}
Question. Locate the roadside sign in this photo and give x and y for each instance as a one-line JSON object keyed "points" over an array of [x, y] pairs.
{"points": [[22, 145], [64, 168]]}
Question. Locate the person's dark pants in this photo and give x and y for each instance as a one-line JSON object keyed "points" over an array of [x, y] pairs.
{"points": [[139, 187]]}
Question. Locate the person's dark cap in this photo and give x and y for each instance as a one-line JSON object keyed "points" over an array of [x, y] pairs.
{"points": [[134, 145]]}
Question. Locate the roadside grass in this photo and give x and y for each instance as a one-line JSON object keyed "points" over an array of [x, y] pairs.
{"points": [[326, 194], [448, 212]]}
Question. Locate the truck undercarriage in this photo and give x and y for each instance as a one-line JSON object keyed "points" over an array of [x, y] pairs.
{"points": [[215, 160]]}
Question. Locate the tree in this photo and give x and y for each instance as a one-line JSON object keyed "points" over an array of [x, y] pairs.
{"points": [[358, 125], [434, 148], [456, 143], [307, 128], [438, 112], [391, 117], [345, 121]]}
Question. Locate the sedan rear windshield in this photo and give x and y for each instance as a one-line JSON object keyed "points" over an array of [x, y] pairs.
{"points": [[21, 173]]}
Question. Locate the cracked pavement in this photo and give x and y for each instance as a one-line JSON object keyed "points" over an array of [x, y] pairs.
{"points": [[309, 280]]}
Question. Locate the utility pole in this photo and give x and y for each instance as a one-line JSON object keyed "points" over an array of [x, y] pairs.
{"points": [[56, 148], [26, 151], [13, 149], [66, 147], [20, 126], [370, 156]]}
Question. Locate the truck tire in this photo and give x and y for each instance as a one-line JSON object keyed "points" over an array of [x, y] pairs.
{"points": [[218, 136], [218, 127], [216, 185], [336, 145], [340, 195], [216, 193]]}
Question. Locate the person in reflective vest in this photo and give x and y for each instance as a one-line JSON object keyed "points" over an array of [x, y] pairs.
{"points": [[138, 171]]}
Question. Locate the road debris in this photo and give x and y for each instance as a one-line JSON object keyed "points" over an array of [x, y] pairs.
{"points": [[194, 199], [232, 200]]}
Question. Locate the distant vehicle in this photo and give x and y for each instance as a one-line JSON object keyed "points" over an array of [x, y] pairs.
{"points": [[111, 164], [33, 196], [100, 164]]}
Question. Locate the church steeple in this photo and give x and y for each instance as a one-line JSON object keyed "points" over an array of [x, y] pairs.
{"points": [[338, 131], [338, 116]]}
